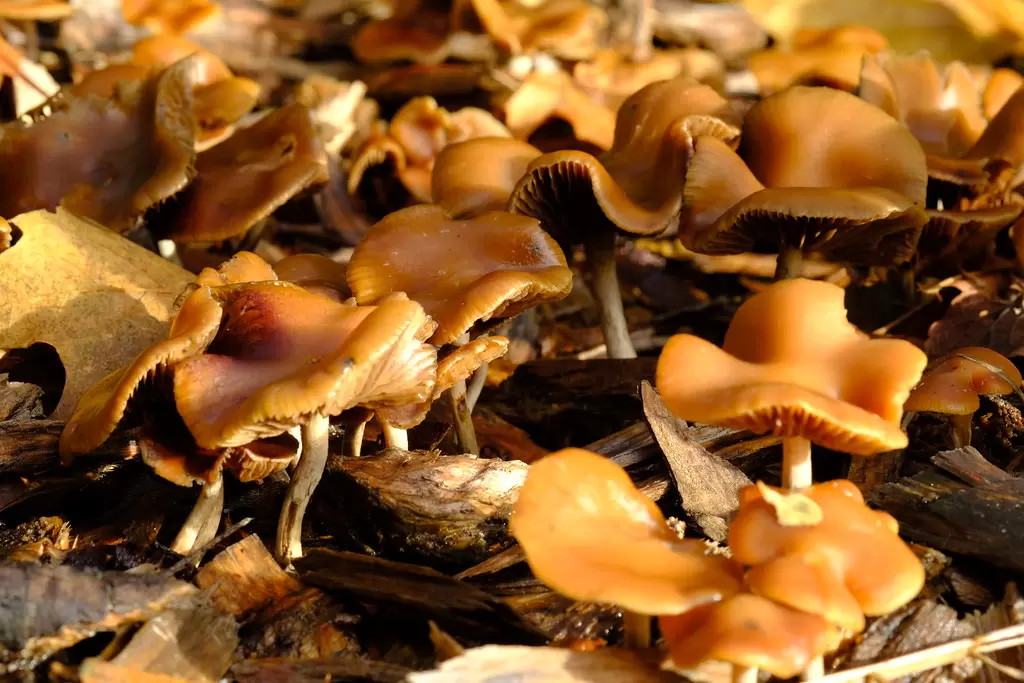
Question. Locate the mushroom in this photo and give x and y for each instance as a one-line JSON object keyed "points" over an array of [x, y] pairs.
{"points": [[315, 273], [953, 385], [494, 265], [635, 187], [950, 238], [566, 29], [425, 38], [476, 176], [802, 182], [588, 533], [168, 16], [791, 364], [611, 76], [1001, 86]]}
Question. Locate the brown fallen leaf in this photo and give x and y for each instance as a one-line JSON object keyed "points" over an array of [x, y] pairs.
{"points": [[96, 297]]}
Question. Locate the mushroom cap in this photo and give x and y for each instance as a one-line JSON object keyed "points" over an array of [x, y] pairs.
{"points": [[802, 178], [104, 82], [164, 49], [1003, 138], [568, 29], [249, 175], [168, 16], [860, 545], [315, 273], [479, 175], [465, 359], [244, 266], [495, 265], [950, 237], [545, 96], [1002, 84], [283, 354], [221, 104], [588, 533], [637, 185], [792, 365], [872, 40], [953, 386], [836, 64], [747, 630]]}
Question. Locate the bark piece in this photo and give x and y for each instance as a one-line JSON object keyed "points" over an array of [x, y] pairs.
{"points": [[245, 577]]}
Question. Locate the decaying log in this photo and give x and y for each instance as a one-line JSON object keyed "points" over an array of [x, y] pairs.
{"points": [[20, 401], [31, 446], [337, 670]]}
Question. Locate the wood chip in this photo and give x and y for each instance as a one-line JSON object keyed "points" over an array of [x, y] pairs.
{"points": [[245, 577]]}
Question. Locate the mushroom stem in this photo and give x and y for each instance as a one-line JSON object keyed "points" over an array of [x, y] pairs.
{"points": [[393, 436], [465, 434], [355, 440], [604, 281], [636, 629], [201, 525], [476, 386], [744, 674], [962, 425], [643, 29], [796, 463], [789, 264], [814, 670], [315, 441]]}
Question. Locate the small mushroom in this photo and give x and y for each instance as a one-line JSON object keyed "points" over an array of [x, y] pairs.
{"points": [[612, 77], [950, 238], [802, 182], [953, 387], [635, 187], [425, 38], [476, 176], [1001, 86], [588, 533], [168, 16]]}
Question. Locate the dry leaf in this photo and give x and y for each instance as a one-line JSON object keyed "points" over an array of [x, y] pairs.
{"points": [[96, 297]]}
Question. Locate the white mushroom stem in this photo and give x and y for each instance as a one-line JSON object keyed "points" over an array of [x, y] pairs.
{"points": [[744, 674], [476, 386], [201, 526], [465, 433], [315, 436], [393, 436], [636, 629], [814, 670], [796, 463], [355, 439], [790, 263], [643, 30], [604, 282]]}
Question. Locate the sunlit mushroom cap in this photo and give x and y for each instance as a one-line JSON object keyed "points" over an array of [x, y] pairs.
{"points": [[747, 630], [494, 265], [464, 360], [860, 545], [283, 354], [246, 177], [549, 95], [637, 186], [244, 266], [803, 177], [953, 386], [588, 533], [1001, 86], [479, 175], [792, 365], [315, 273], [162, 50], [168, 16], [568, 29]]}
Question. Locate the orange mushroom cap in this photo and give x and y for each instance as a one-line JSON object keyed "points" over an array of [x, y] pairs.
{"points": [[590, 534], [569, 29], [464, 360], [747, 630], [953, 386], [792, 365], [549, 95], [859, 545], [168, 16], [494, 265], [1001, 86], [479, 175]]}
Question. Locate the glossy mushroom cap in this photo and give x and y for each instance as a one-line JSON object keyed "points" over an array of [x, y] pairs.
{"points": [[1001, 86], [953, 386], [859, 545], [588, 533], [463, 360], [495, 265], [792, 365], [747, 630], [476, 176], [637, 185], [803, 178], [315, 273]]}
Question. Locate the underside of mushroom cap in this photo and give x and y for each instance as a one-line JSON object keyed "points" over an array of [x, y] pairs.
{"points": [[950, 237], [464, 360]]}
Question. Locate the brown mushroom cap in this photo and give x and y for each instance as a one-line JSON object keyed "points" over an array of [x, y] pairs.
{"points": [[495, 265], [246, 177], [953, 386], [1001, 86], [950, 237], [747, 630], [860, 545], [479, 175], [464, 360], [168, 16], [637, 185], [568, 29], [315, 273], [162, 50], [545, 96], [1003, 138], [792, 365], [244, 266], [802, 178], [590, 534]]}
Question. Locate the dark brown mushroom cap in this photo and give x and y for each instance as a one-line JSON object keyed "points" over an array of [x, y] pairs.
{"points": [[802, 178], [315, 273], [479, 175], [637, 185], [283, 354], [953, 386], [950, 237], [494, 265], [117, 157], [243, 179]]}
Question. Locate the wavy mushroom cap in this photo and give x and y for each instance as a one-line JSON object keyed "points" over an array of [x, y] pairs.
{"points": [[1003, 138], [588, 533], [568, 29], [162, 50], [637, 186], [245, 178], [859, 545], [951, 237], [747, 630], [793, 365], [472, 177], [803, 177], [953, 386], [495, 265], [1001, 86], [464, 360], [315, 273], [117, 157], [282, 354]]}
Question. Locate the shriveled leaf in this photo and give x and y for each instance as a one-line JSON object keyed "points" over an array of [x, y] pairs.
{"points": [[96, 297]]}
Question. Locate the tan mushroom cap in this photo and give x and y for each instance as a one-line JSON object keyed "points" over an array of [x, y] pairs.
{"points": [[950, 237], [747, 630], [866, 37], [315, 273], [588, 533], [464, 360], [612, 76], [104, 82], [162, 50], [637, 186], [249, 175], [479, 175], [861, 545], [1003, 138], [549, 95], [169, 16], [803, 178], [495, 265], [1001, 86], [425, 39], [568, 29], [835, 64], [283, 354], [792, 365], [244, 266], [953, 386]]}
